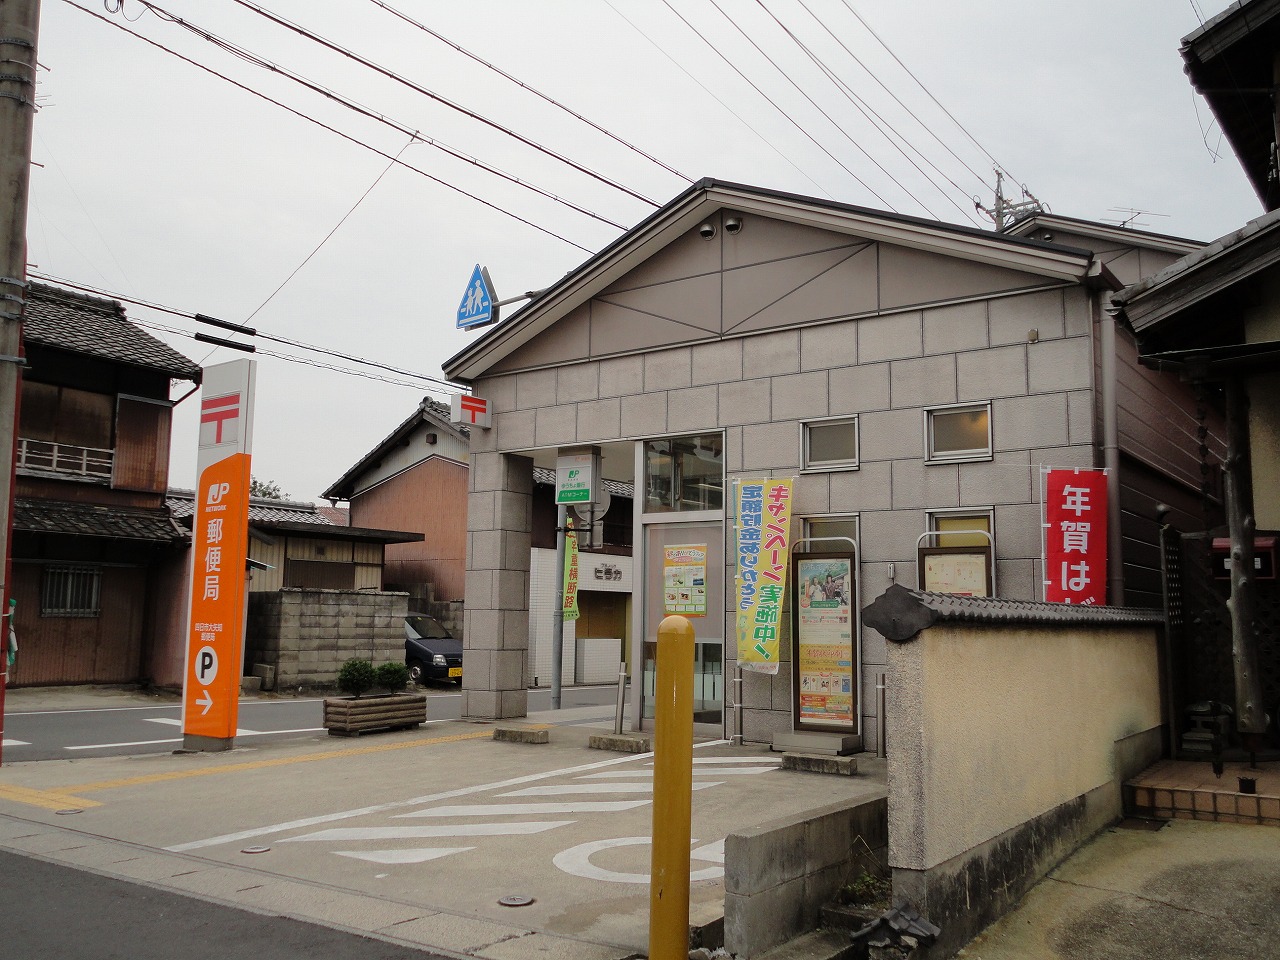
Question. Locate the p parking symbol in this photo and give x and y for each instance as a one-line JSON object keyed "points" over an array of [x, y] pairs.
{"points": [[206, 665]]}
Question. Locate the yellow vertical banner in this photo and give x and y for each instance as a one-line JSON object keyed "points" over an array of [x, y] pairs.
{"points": [[570, 606], [761, 556]]}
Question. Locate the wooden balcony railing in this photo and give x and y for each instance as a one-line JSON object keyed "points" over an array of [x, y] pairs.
{"points": [[65, 461]]}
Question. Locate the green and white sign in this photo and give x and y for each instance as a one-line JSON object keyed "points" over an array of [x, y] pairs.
{"points": [[576, 478]]}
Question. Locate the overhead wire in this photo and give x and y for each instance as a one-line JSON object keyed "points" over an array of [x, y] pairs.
{"points": [[249, 56], [333, 130], [920, 83], [438, 98], [524, 86], [711, 93], [285, 341], [927, 128], [345, 217], [786, 75], [785, 113]]}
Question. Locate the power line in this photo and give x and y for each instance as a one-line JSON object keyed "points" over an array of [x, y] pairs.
{"points": [[786, 115], [537, 93], [921, 85], [345, 216], [325, 126], [814, 103], [226, 325], [679, 66], [249, 56], [911, 113], [417, 88]]}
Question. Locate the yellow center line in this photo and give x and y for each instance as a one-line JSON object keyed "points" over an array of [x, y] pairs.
{"points": [[276, 762], [46, 799]]}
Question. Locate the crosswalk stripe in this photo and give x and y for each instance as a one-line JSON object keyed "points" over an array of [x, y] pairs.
{"points": [[413, 855], [526, 809], [444, 830], [562, 789], [699, 772]]}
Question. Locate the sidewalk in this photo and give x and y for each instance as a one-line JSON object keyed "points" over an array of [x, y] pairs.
{"points": [[1192, 890], [416, 837]]}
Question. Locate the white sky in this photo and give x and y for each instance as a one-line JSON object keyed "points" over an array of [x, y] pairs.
{"points": [[161, 182]]}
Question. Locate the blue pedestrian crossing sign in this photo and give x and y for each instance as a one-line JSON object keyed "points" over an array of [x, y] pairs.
{"points": [[479, 306]]}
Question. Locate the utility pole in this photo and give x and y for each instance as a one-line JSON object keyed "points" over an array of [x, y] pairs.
{"points": [[1007, 211], [19, 26]]}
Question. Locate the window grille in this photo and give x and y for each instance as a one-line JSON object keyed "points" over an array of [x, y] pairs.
{"points": [[71, 592]]}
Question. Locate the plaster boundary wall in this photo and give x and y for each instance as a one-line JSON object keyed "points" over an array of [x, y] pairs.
{"points": [[1010, 732]]}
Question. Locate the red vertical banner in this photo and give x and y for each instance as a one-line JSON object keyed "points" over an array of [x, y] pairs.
{"points": [[1075, 536]]}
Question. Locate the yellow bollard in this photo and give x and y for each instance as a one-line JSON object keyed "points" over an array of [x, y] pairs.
{"points": [[672, 792]]}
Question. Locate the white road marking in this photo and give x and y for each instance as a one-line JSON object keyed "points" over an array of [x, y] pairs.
{"points": [[772, 760], [418, 855], [243, 835], [699, 772], [15, 743], [249, 701], [712, 852], [526, 809], [444, 830], [134, 743], [562, 789], [168, 721], [577, 861]]}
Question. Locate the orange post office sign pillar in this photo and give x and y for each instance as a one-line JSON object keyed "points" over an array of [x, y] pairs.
{"points": [[220, 551]]}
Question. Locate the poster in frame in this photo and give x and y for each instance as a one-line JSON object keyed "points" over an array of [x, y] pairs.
{"points": [[824, 677]]}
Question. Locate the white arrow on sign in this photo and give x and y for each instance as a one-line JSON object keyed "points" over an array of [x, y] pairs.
{"points": [[205, 699]]}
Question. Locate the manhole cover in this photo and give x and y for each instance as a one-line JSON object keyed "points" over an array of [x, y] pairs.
{"points": [[255, 849], [519, 901], [67, 813]]}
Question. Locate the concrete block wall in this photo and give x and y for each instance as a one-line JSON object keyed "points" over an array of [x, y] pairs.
{"points": [[308, 634], [779, 875], [1029, 354]]}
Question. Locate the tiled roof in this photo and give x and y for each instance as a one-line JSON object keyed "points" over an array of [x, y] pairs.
{"points": [[182, 503], [900, 613], [617, 488], [96, 327], [95, 520]]}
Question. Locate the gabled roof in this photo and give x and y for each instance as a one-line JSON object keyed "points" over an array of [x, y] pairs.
{"points": [[1229, 61], [1043, 226], [95, 520], [288, 516], [707, 197], [1207, 273], [78, 323], [429, 412]]}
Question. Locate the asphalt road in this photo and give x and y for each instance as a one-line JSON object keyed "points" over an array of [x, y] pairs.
{"points": [[128, 731], [55, 911]]}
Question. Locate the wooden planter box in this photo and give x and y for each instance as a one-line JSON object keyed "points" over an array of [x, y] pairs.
{"points": [[352, 716]]}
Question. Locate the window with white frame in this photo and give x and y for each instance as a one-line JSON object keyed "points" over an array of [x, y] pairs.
{"points": [[839, 526], [71, 591], [831, 444], [961, 432], [961, 528]]}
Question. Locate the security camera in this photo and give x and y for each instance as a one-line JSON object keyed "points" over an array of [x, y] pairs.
{"points": [[733, 225], [707, 231]]}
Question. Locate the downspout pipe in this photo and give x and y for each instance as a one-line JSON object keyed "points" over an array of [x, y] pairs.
{"points": [[1104, 282]]}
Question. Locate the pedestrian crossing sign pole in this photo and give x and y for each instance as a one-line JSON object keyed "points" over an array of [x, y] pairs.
{"points": [[479, 306]]}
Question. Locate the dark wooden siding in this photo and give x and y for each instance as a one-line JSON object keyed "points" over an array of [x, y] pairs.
{"points": [[102, 649], [142, 445]]}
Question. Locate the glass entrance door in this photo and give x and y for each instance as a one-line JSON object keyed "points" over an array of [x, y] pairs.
{"points": [[678, 590]]}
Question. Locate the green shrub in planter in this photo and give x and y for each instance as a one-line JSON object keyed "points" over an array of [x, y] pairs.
{"points": [[356, 677], [392, 677]]}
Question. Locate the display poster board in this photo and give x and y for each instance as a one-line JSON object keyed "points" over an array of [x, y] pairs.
{"points": [[964, 571], [824, 625], [684, 579]]}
